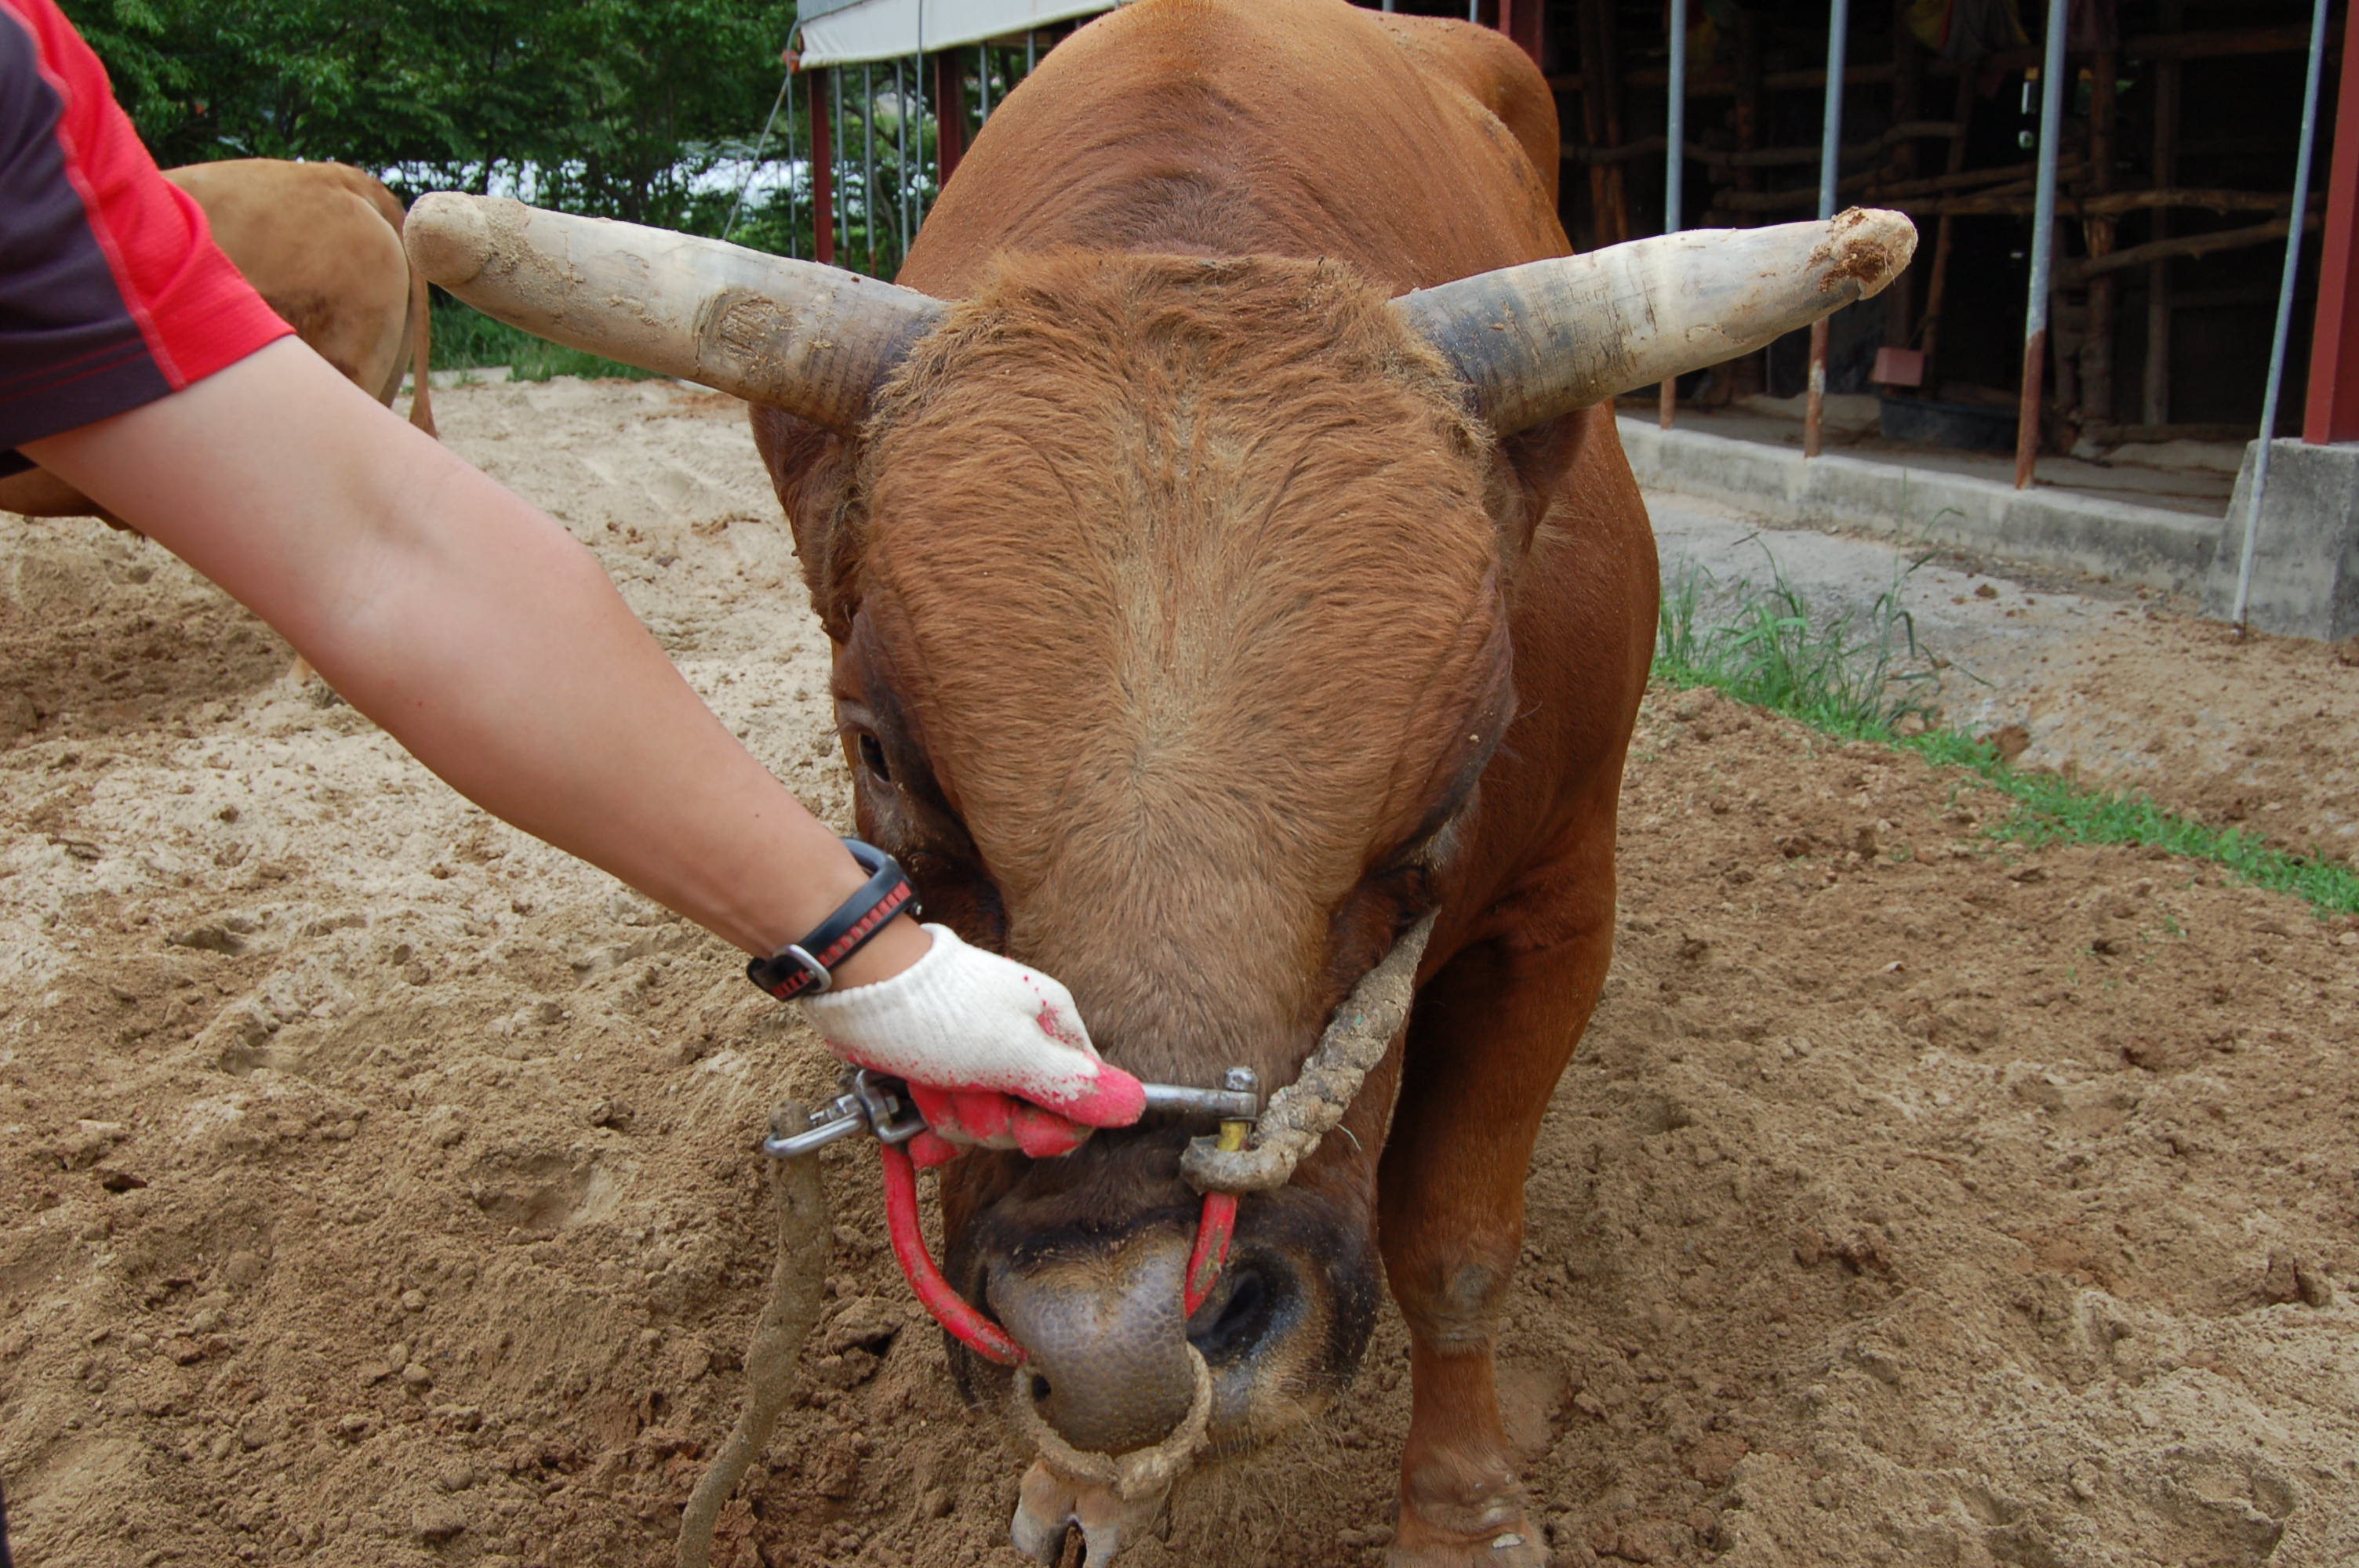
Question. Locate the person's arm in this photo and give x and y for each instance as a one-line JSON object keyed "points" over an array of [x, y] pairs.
{"points": [[476, 630], [488, 642]]}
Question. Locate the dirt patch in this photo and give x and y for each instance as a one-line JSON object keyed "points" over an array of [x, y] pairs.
{"points": [[377, 1187]]}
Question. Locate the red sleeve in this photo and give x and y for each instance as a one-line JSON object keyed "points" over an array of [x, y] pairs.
{"points": [[89, 217]]}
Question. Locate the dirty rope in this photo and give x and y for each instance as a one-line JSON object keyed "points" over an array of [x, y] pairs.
{"points": [[1298, 1115], [798, 1281], [1141, 1473]]}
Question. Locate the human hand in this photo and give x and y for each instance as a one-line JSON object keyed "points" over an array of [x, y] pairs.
{"points": [[993, 1053]]}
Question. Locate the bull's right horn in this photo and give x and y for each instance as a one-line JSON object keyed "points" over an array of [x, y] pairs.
{"points": [[1546, 337], [813, 341]]}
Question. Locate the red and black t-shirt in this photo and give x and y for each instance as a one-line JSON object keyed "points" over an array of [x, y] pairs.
{"points": [[112, 291]]}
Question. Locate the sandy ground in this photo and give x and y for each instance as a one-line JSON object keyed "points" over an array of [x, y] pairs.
{"points": [[2120, 687], [377, 1186]]}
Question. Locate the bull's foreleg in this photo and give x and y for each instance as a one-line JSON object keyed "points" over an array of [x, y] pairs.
{"points": [[1489, 1037]]}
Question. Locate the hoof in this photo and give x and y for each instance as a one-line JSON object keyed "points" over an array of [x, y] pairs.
{"points": [[1051, 1502]]}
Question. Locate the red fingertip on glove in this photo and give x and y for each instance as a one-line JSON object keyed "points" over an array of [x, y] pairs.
{"points": [[926, 1151], [1113, 1098], [1045, 1135]]}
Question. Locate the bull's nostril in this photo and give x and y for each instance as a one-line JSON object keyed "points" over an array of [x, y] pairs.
{"points": [[1242, 1320], [1039, 1389]]}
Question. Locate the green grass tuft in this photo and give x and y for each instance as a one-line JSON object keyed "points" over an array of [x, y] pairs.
{"points": [[1863, 678], [466, 339]]}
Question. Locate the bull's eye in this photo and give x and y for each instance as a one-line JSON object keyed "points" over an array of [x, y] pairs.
{"points": [[872, 757]]}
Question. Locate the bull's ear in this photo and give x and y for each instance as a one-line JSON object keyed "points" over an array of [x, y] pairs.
{"points": [[812, 469], [1540, 339], [1527, 475]]}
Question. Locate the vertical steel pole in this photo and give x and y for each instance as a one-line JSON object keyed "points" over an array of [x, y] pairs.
{"points": [[1814, 403], [823, 177], [841, 215], [868, 160], [1031, 52], [902, 160], [2285, 314], [983, 83], [2043, 246], [754, 162], [1675, 157], [1475, 10]]}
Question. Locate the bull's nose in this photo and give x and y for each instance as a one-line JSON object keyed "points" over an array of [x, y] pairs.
{"points": [[1109, 1366]]}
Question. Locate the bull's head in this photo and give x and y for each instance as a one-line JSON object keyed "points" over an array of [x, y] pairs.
{"points": [[1170, 601]]}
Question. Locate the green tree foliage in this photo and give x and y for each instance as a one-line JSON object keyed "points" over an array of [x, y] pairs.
{"points": [[613, 107]]}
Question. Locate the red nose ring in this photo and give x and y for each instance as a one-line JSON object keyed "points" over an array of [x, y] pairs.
{"points": [[951, 1310], [1216, 1228]]}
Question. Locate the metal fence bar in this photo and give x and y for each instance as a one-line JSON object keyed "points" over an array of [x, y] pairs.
{"points": [[902, 160], [982, 84], [1675, 157], [1814, 403], [2285, 317], [754, 162], [822, 165], [868, 161], [2043, 247]]}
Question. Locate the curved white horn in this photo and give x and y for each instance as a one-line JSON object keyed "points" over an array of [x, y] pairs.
{"points": [[814, 340], [1543, 339]]}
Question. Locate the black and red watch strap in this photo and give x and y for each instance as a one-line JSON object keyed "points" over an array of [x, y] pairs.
{"points": [[805, 967]]}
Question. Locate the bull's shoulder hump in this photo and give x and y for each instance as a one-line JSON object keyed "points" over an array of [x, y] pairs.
{"points": [[1491, 70]]}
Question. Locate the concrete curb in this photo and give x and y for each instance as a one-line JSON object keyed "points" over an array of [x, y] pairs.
{"points": [[2141, 545]]}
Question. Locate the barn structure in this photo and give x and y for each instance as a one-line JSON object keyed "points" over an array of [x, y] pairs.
{"points": [[2150, 181]]}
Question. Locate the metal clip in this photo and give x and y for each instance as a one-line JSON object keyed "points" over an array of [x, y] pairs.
{"points": [[870, 1103]]}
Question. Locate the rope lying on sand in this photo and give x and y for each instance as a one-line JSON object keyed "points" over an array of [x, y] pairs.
{"points": [[798, 1281]]}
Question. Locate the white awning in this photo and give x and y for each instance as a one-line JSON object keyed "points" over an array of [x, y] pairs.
{"points": [[848, 32]]}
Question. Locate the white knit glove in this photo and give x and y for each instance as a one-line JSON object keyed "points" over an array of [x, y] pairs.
{"points": [[993, 1053]]}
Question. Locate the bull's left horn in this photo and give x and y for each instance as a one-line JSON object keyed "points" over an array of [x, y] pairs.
{"points": [[814, 340], [1543, 339]]}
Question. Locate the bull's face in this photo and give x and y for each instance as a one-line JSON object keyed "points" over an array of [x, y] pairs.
{"points": [[1171, 660], [1168, 599]]}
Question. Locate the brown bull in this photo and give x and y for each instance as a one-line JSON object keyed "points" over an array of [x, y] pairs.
{"points": [[321, 242], [1208, 606]]}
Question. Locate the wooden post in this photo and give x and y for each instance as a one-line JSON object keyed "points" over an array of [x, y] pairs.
{"points": [[2332, 412], [950, 115], [2155, 404], [1944, 234], [1521, 20], [1601, 115], [1907, 105], [822, 173], [2097, 337]]}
